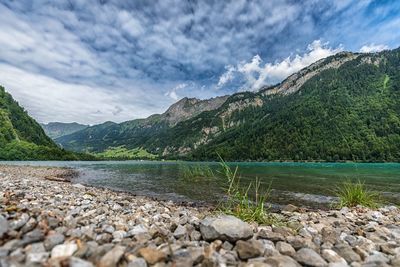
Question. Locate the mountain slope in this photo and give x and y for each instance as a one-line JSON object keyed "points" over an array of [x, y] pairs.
{"points": [[133, 134], [21, 137], [344, 107], [58, 129]]}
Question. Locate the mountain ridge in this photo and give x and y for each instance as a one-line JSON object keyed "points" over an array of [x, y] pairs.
{"points": [[214, 131], [58, 129]]}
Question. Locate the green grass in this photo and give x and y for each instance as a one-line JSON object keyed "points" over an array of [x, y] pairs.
{"points": [[246, 203], [351, 194], [121, 152], [196, 172]]}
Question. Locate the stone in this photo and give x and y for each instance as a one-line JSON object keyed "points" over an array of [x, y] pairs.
{"points": [[195, 235], [249, 249], [225, 227], [52, 240], [138, 229], [21, 221], [151, 255], [180, 231], [267, 234], [138, 262], [65, 250], [4, 226], [32, 237], [39, 257], [36, 253], [29, 226], [111, 258], [309, 257], [331, 256], [196, 254], [119, 235], [377, 257], [281, 261], [77, 262], [290, 208], [285, 249], [347, 253]]}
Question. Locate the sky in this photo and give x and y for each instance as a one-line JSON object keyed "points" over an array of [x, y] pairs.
{"points": [[91, 61]]}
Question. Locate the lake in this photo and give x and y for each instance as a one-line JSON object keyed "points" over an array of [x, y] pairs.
{"points": [[309, 184]]}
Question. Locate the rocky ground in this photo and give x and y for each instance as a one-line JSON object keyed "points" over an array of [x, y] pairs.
{"points": [[45, 221]]}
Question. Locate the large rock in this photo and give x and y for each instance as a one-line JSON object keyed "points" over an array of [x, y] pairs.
{"points": [[309, 257], [65, 250], [285, 249], [151, 255], [53, 240], [249, 249], [282, 261], [111, 258], [225, 227]]}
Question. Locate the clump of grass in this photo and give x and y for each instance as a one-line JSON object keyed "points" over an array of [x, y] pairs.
{"points": [[351, 194], [239, 202], [196, 172]]}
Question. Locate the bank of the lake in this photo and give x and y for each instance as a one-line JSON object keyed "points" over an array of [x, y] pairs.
{"points": [[302, 184], [45, 220]]}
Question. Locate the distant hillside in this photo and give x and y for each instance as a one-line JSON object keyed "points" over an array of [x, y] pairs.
{"points": [[58, 129], [22, 138], [344, 107], [128, 137]]}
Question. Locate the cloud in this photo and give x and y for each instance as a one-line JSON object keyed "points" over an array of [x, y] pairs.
{"points": [[173, 93], [371, 48], [55, 100], [255, 74], [134, 53]]}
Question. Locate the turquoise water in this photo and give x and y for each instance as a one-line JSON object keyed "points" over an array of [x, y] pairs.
{"points": [[310, 184]]}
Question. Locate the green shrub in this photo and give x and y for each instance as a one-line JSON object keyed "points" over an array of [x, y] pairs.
{"points": [[351, 194]]}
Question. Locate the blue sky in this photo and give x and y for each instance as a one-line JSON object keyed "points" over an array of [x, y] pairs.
{"points": [[96, 60]]}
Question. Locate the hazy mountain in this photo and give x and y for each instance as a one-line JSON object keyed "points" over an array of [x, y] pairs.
{"points": [[58, 129], [344, 107]]}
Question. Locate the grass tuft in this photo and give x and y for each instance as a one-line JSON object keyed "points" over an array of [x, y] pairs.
{"points": [[351, 194], [196, 172], [238, 201]]}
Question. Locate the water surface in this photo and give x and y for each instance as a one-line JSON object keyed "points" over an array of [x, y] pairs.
{"points": [[310, 184]]}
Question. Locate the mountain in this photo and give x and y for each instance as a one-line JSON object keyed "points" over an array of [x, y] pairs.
{"points": [[344, 107], [130, 136], [22, 138], [58, 129]]}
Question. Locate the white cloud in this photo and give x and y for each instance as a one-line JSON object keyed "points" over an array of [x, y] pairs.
{"points": [[372, 48], [48, 99], [227, 76], [256, 75], [173, 92]]}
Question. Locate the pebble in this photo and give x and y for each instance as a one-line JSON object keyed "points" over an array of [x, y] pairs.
{"points": [[225, 227], [151, 255], [309, 257], [249, 249], [111, 258], [65, 250]]}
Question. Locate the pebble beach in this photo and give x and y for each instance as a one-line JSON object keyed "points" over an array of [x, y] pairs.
{"points": [[47, 220]]}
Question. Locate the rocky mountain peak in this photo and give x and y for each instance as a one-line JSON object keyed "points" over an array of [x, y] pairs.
{"points": [[187, 108]]}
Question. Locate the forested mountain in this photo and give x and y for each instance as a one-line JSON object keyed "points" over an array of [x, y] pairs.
{"points": [[58, 129], [344, 107], [21, 137], [132, 134]]}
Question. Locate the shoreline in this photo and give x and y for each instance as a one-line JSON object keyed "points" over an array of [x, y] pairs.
{"points": [[47, 220]]}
